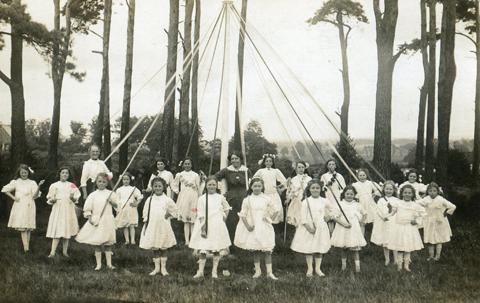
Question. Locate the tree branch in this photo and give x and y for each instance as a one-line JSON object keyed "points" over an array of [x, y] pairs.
{"points": [[468, 37], [96, 34], [6, 79]]}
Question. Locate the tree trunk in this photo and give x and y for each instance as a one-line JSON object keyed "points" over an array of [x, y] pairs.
{"points": [[194, 149], [237, 141], [127, 87], [166, 137], [446, 79], [105, 88], [386, 23], [183, 136], [429, 147], [61, 45], [476, 135], [419, 151], [346, 84], [18, 147]]}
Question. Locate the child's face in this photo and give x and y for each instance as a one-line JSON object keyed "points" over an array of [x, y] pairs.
{"points": [[362, 176], [101, 183], [212, 186], [23, 174], [331, 166], [157, 188], [187, 165], [160, 165], [268, 162], [315, 190], [257, 188], [407, 194], [349, 195], [125, 180], [412, 177], [388, 190], [64, 175], [94, 152], [300, 169], [433, 192]]}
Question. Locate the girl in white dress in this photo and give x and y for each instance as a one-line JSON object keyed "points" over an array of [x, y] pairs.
{"points": [[366, 191], [157, 233], [99, 230], [270, 176], [255, 230], [187, 185], [23, 192], [63, 223], [210, 233], [382, 221], [295, 190], [348, 235], [404, 236], [129, 197], [312, 236], [412, 179], [91, 169], [334, 184], [161, 170], [436, 229]]}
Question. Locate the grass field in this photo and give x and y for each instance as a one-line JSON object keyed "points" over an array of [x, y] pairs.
{"points": [[34, 277]]}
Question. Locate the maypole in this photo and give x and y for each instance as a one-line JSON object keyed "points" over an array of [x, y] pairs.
{"points": [[225, 90]]}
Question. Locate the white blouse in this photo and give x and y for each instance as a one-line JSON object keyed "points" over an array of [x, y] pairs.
{"points": [[91, 169]]}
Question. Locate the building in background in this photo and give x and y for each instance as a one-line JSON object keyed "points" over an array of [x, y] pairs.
{"points": [[5, 137]]}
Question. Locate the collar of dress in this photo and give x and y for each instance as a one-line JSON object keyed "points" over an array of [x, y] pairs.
{"points": [[242, 168]]}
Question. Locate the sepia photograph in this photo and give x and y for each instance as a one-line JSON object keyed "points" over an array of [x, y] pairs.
{"points": [[240, 151]]}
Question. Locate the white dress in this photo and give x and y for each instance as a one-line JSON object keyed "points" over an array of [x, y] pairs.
{"points": [[333, 192], [165, 175], [127, 215], [381, 228], [258, 210], [187, 186], [63, 222], [270, 177], [157, 232], [217, 239], [295, 192], [403, 236], [91, 169], [365, 190], [352, 237], [104, 232], [436, 228], [312, 212], [22, 215]]}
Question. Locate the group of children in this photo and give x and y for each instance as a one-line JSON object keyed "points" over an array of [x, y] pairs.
{"points": [[325, 211]]}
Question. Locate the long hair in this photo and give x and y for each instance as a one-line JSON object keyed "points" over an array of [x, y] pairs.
{"points": [[405, 187], [130, 177], [307, 192], [294, 172], [165, 163], [264, 158], [70, 175], [389, 182], [434, 185], [347, 188], [210, 178], [163, 182], [24, 167], [254, 180], [187, 159], [412, 171], [367, 173]]}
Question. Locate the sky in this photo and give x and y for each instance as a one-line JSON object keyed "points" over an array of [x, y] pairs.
{"points": [[280, 31]]}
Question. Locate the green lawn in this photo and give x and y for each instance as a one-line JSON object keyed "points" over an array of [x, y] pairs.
{"points": [[34, 277]]}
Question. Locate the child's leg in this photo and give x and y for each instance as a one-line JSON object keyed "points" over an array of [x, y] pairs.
{"points": [[362, 228], [98, 257], [125, 235], [344, 259], [431, 252], [108, 256], [318, 264], [256, 262], [399, 260], [132, 234], [331, 226], [24, 236], [156, 262], [438, 249], [201, 266], [395, 256], [406, 261], [55, 242], [163, 263], [186, 231], [309, 259], [386, 254], [268, 265], [216, 260], [65, 243], [356, 258], [29, 234]]}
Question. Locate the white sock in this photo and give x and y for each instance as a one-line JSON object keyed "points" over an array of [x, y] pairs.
{"points": [[108, 257], [216, 260], [357, 265], [318, 264], [344, 263], [201, 267], [98, 259], [309, 259], [156, 262], [163, 262]]}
